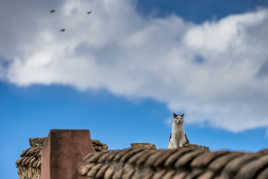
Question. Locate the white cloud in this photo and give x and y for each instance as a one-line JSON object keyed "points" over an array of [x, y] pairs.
{"points": [[219, 37], [117, 49]]}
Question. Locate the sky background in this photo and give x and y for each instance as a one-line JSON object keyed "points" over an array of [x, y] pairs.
{"points": [[122, 70]]}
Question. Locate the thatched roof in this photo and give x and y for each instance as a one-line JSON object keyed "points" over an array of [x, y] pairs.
{"points": [[182, 163]]}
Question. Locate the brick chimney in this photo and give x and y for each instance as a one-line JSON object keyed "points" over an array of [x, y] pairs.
{"points": [[63, 152]]}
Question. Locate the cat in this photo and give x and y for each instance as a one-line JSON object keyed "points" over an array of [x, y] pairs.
{"points": [[177, 137]]}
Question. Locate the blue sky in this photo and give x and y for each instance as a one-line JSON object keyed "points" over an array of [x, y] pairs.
{"points": [[123, 70]]}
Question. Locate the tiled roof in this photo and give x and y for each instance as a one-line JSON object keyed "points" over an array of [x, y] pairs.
{"points": [[30, 163], [38, 141], [143, 145], [142, 163], [98, 146], [31, 157]]}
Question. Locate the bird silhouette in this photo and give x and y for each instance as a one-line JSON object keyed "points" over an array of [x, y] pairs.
{"points": [[89, 12], [62, 30], [52, 11]]}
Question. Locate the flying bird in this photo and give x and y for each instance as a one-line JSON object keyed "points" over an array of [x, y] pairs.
{"points": [[52, 11], [62, 30], [89, 12]]}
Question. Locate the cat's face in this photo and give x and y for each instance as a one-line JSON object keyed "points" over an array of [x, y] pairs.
{"points": [[178, 119]]}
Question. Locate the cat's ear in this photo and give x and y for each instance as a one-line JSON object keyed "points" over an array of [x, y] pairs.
{"points": [[175, 115], [182, 115]]}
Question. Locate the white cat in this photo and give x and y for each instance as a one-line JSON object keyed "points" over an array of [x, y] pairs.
{"points": [[177, 137]]}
